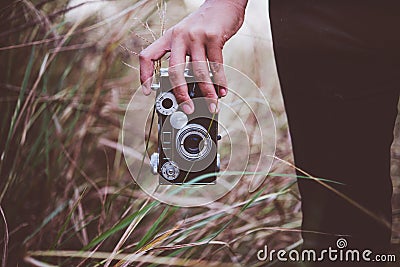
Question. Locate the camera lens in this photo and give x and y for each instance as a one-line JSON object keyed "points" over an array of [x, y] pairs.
{"points": [[193, 143], [167, 103]]}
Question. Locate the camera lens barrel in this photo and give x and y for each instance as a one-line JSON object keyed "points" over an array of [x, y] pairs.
{"points": [[193, 142]]}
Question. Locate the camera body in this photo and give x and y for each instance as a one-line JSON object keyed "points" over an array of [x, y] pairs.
{"points": [[187, 143]]}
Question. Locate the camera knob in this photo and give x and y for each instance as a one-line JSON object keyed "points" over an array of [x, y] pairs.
{"points": [[170, 171], [154, 162]]}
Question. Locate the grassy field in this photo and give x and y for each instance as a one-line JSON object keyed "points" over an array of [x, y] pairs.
{"points": [[69, 69]]}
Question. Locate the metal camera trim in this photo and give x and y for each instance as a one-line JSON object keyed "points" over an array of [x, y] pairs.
{"points": [[185, 132]]}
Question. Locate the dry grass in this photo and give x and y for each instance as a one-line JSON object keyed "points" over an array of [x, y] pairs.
{"points": [[67, 198]]}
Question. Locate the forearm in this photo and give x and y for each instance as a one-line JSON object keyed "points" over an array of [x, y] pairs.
{"points": [[239, 3]]}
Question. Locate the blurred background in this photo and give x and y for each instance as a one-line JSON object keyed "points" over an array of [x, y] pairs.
{"points": [[68, 71]]}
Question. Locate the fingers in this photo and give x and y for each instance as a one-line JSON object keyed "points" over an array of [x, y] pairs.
{"points": [[176, 76], [214, 54], [176, 43], [146, 59], [202, 74]]}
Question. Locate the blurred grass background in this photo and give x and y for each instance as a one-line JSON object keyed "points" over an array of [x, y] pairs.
{"points": [[69, 68]]}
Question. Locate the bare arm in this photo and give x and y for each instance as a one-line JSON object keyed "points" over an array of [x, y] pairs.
{"points": [[201, 35]]}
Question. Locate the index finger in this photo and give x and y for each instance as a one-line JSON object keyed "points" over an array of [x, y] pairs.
{"points": [[146, 60]]}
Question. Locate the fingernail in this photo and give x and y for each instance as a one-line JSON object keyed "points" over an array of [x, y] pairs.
{"points": [[213, 108], [222, 92], [187, 109]]}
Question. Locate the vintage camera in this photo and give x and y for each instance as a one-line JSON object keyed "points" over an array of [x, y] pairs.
{"points": [[187, 144]]}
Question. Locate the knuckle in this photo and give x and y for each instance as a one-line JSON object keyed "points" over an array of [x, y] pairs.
{"points": [[211, 35], [207, 35], [195, 34], [216, 67], [177, 31], [173, 73], [210, 94], [143, 56], [181, 95], [202, 75]]}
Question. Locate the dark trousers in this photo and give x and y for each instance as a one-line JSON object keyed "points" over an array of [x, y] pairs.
{"points": [[339, 68]]}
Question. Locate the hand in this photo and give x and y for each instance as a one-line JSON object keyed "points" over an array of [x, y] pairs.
{"points": [[201, 35]]}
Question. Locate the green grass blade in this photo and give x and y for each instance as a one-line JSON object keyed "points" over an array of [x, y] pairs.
{"points": [[153, 229], [119, 226], [14, 118]]}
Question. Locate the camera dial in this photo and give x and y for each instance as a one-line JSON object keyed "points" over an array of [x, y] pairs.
{"points": [[170, 171], [166, 103]]}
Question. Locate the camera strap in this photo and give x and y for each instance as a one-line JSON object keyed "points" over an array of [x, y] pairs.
{"points": [[153, 112]]}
